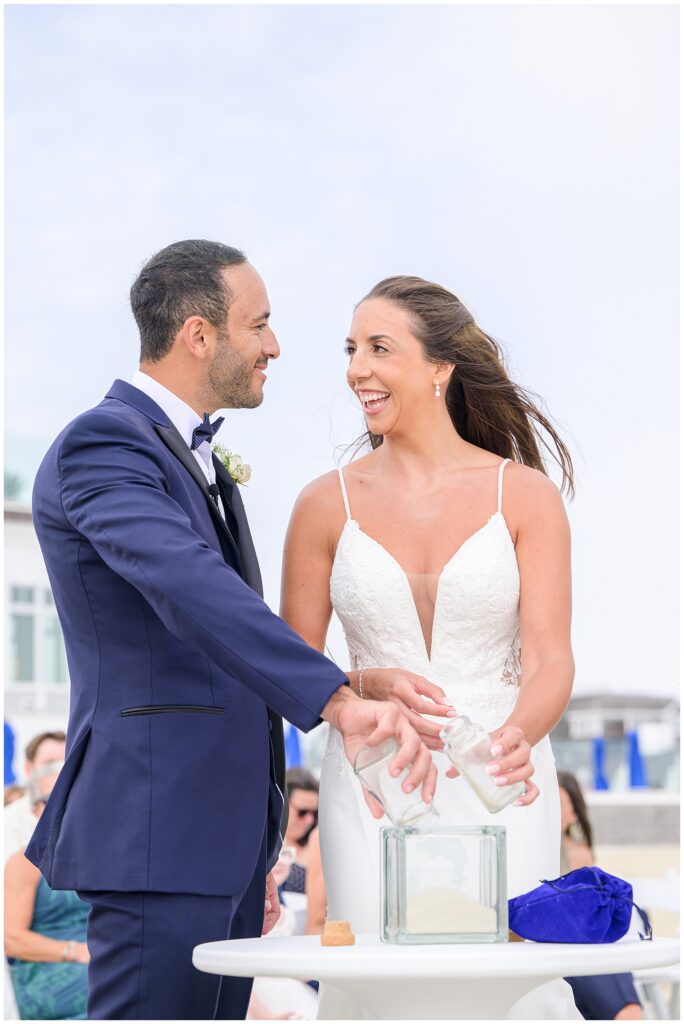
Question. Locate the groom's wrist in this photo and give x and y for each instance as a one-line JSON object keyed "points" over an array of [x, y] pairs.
{"points": [[337, 702]]}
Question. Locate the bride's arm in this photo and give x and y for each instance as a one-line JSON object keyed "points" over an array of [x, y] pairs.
{"points": [[543, 552], [316, 522]]}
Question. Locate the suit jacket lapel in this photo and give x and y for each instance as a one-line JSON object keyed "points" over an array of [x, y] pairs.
{"points": [[173, 440], [252, 576], [248, 555]]}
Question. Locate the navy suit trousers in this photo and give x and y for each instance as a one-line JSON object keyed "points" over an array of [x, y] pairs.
{"points": [[141, 953]]}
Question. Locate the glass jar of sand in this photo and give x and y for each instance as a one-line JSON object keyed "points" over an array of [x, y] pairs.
{"points": [[372, 768], [444, 885], [468, 746]]}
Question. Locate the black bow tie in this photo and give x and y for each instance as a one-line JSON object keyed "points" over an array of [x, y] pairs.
{"points": [[205, 431]]}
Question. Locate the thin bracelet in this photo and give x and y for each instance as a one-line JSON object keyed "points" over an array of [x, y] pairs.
{"points": [[361, 671], [68, 953]]}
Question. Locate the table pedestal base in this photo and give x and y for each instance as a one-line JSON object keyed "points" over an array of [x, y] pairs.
{"points": [[438, 998]]}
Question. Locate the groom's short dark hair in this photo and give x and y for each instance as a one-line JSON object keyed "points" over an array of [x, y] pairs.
{"points": [[180, 281]]}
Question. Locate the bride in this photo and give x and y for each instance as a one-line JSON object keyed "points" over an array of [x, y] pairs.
{"points": [[445, 552]]}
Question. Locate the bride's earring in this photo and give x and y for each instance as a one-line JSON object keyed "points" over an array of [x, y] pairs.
{"points": [[437, 391]]}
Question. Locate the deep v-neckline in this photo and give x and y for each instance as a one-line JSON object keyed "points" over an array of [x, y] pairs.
{"points": [[405, 575]]}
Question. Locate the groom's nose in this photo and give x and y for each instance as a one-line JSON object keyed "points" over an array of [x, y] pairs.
{"points": [[270, 347]]}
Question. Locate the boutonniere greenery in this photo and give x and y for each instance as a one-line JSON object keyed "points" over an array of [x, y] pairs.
{"points": [[233, 464]]}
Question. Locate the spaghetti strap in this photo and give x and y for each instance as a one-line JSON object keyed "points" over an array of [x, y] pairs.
{"points": [[344, 492], [501, 469]]}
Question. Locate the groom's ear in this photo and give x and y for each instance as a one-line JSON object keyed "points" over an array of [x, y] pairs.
{"points": [[198, 336]]}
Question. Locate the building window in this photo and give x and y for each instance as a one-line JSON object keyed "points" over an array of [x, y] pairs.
{"points": [[36, 651], [21, 649], [54, 655]]}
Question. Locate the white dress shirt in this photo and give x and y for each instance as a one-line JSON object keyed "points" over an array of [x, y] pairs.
{"points": [[183, 418]]}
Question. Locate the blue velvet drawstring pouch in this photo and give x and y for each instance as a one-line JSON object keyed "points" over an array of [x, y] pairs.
{"points": [[586, 905]]}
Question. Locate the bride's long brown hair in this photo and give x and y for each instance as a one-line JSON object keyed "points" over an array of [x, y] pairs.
{"points": [[485, 406]]}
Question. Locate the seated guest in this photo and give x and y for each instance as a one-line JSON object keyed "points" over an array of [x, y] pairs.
{"points": [[306, 874], [302, 795], [19, 819], [45, 931], [604, 996], [12, 793]]}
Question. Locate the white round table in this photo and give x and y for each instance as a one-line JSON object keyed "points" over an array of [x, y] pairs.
{"points": [[477, 981]]}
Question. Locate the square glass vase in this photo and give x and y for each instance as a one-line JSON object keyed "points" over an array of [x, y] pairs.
{"points": [[443, 884]]}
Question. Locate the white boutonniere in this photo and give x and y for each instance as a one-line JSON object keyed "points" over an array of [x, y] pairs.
{"points": [[233, 464]]}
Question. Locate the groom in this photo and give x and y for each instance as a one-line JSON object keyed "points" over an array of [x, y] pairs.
{"points": [[166, 816]]}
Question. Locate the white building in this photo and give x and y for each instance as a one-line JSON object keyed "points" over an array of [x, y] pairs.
{"points": [[36, 678]]}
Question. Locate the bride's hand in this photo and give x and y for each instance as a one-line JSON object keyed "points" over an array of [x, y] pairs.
{"points": [[510, 761], [415, 696]]}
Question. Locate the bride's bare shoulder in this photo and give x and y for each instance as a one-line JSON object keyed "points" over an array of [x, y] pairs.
{"points": [[528, 492], [525, 479], [321, 500], [324, 494], [319, 516]]}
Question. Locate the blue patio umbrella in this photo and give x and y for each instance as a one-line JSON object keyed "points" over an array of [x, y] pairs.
{"points": [[293, 750], [637, 768], [10, 777], [600, 780]]}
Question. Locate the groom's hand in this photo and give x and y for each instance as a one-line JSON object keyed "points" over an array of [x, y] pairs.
{"points": [[415, 696], [367, 723], [271, 904]]}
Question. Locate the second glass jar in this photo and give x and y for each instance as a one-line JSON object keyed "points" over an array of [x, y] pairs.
{"points": [[468, 747]]}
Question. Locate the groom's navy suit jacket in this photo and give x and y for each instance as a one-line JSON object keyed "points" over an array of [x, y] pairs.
{"points": [[171, 781]]}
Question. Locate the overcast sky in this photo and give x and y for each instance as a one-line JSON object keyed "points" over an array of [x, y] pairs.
{"points": [[524, 157]]}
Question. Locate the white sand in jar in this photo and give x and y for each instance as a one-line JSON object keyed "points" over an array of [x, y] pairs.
{"points": [[440, 909]]}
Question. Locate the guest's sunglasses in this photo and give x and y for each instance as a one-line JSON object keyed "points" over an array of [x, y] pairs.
{"points": [[302, 812]]}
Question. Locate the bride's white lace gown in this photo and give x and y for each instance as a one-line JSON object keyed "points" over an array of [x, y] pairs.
{"points": [[460, 630]]}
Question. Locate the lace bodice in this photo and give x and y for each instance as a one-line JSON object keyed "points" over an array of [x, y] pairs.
{"points": [[473, 654]]}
